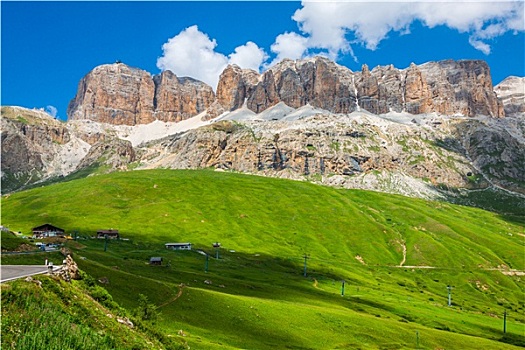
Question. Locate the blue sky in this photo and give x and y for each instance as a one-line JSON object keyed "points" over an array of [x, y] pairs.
{"points": [[47, 47]]}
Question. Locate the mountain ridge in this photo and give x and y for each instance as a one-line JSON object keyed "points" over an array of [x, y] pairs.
{"points": [[447, 87], [415, 154]]}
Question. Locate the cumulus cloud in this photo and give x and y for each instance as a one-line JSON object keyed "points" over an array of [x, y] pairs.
{"points": [[248, 56], [332, 28], [289, 45], [51, 110], [335, 26], [192, 53]]}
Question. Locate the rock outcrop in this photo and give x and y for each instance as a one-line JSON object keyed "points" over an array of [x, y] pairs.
{"points": [[113, 153], [235, 84], [36, 147], [176, 99], [322, 148], [31, 139], [69, 270], [406, 131], [511, 92], [115, 94], [446, 87], [121, 95]]}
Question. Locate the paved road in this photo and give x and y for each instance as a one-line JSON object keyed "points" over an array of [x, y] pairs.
{"points": [[12, 272]]}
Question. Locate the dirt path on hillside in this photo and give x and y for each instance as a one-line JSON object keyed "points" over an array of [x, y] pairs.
{"points": [[404, 246], [179, 294], [505, 271]]}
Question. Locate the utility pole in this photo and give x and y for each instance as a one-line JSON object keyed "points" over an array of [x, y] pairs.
{"points": [[505, 322], [343, 288], [305, 258], [449, 295], [217, 246], [206, 263]]}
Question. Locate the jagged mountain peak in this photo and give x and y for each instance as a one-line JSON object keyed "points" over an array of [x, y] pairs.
{"points": [[120, 94], [438, 121], [446, 87]]}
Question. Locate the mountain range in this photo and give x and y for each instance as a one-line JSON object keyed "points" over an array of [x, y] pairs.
{"points": [[434, 130]]}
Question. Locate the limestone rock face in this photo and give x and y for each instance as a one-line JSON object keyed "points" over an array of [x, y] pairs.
{"points": [[264, 94], [114, 152], [121, 95], [511, 92], [30, 141], [359, 151], [36, 147], [114, 94], [367, 89], [418, 97], [496, 149], [177, 98], [463, 87], [319, 82], [446, 87], [311, 148], [235, 84]]}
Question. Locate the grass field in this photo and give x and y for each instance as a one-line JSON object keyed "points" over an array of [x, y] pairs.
{"points": [[255, 295]]}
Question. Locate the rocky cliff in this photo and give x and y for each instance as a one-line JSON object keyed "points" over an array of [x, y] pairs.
{"points": [[511, 92], [446, 87], [32, 141], [121, 95], [37, 147], [396, 153], [413, 131]]}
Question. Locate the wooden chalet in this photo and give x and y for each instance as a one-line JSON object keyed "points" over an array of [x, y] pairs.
{"points": [[47, 230], [108, 233]]}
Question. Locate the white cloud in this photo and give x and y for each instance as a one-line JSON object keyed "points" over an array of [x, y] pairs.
{"points": [[289, 45], [480, 45], [328, 25], [332, 28], [51, 110], [192, 53], [248, 56]]}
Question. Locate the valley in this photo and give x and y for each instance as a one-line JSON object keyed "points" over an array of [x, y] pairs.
{"points": [[262, 175], [380, 209], [266, 227]]}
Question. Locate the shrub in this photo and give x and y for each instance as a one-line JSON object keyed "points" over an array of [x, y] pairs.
{"points": [[146, 311]]}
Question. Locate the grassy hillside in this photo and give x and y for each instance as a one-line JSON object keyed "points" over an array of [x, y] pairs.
{"points": [[9, 241], [48, 313], [258, 297], [270, 216]]}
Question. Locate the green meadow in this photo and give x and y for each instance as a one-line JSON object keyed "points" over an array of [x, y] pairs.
{"points": [[396, 256]]}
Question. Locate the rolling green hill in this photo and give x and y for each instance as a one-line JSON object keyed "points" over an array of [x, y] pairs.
{"points": [[47, 313], [397, 256]]}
